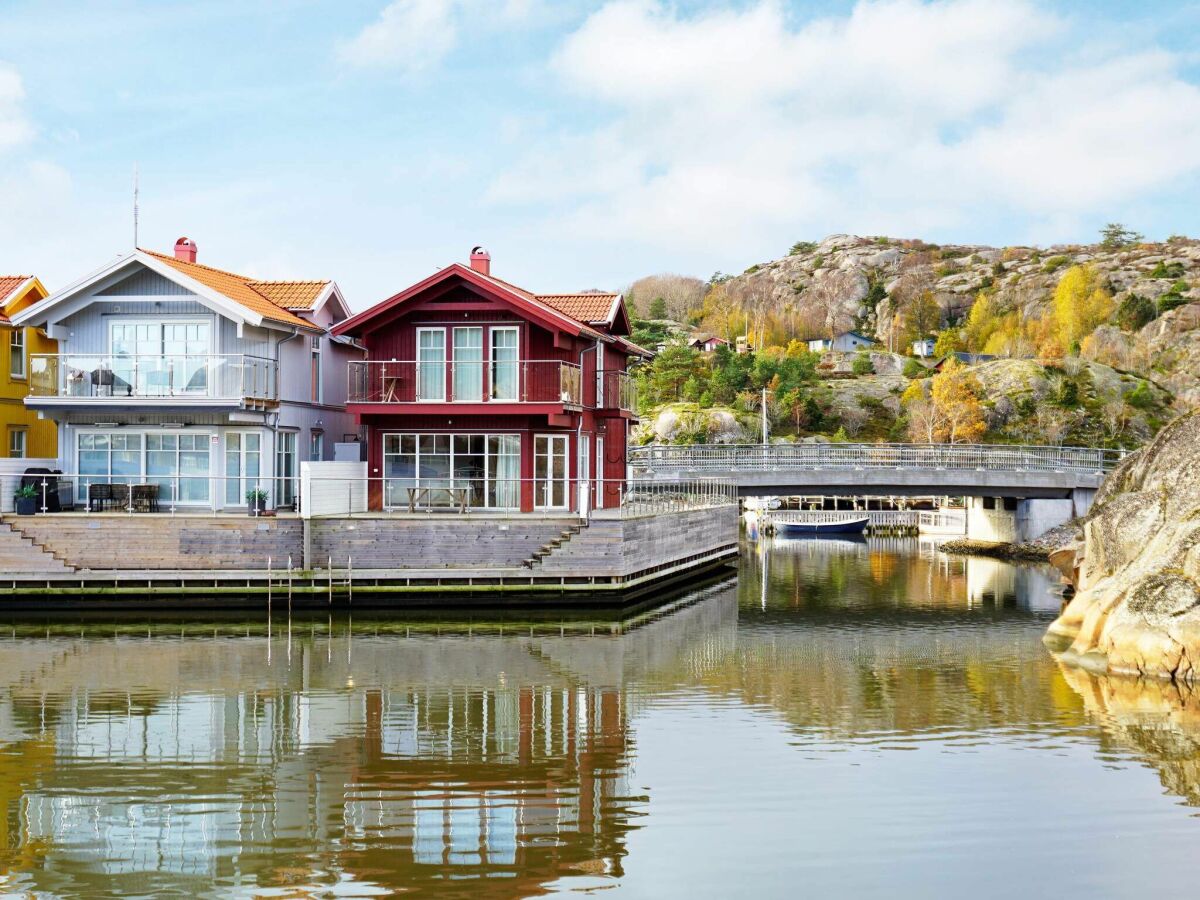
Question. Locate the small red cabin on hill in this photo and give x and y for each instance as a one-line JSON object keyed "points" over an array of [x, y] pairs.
{"points": [[478, 392]]}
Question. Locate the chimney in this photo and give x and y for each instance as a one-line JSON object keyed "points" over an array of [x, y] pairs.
{"points": [[481, 261], [185, 249]]}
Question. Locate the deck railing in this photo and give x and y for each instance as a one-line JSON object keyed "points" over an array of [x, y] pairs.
{"points": [[476, 381], [649, 497], [153, 376], [979, 457], [620, 391]]}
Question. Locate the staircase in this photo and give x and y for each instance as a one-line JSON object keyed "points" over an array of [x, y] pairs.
{"points": [[20, 554], [551, 545], [598, 549]]}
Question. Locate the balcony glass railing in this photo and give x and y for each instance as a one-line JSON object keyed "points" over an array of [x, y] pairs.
{"points": [[620, 391], [213, 376], [437, 381]]}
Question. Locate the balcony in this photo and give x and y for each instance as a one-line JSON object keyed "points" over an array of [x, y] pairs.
{"points": [[619, 393], [152, 380], [542, 383]]}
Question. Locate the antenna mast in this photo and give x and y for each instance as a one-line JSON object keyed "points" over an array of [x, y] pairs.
{"points": [[135, 206]]}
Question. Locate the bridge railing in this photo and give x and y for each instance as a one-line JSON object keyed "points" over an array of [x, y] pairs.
{"points": [[715, 458]]}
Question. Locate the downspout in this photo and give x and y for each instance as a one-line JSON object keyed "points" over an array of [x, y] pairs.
{"points": [[278, 396], [579, 438]]}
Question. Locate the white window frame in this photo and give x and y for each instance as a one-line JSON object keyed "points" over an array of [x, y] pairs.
{"points": [[491, 348], [16, 353], [599, 375], [23, 434], [263, 475], [553, 438], [450, 434], [599, 471], [145, 476], [420, 363], [454, 361]]}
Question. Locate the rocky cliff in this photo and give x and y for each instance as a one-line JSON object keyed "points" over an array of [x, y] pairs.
{"points": [[1137, 573], [871, 273]]}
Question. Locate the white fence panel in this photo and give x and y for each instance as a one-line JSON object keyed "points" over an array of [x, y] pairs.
{"points": [[332, 488], [11, 471]]}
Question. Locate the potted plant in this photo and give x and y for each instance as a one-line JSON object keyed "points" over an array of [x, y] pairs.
{"points": [[256, 500], [27, 499]]}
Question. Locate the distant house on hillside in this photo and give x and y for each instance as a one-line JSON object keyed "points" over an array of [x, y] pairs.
{"points": [[967, 359], [846, 342], [705, 342], [743, 344], [924, 347]]}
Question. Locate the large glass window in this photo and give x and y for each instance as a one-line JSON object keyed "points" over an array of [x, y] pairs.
{"points": [[486, 466], [108, 458], [505, 363], [243, 466], [468, 364], [179, 465], [431, 364], [159, 358], [550, 471]]}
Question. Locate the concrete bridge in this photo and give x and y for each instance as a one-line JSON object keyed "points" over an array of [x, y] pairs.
{"points": [[1016, 492]]}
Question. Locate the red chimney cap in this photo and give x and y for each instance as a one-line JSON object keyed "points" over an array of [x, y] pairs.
{"points": [[481, 260], [185, 249]]}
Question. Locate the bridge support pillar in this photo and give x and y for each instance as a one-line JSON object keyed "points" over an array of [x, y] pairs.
{"points": [[992, 519], [1082, 499]]}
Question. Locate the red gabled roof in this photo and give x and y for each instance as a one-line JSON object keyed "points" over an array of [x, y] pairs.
{"points": [[552, 310]]}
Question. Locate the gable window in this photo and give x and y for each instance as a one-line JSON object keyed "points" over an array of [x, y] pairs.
{"points": [[17, 438], [431, 364], [505, 362], [16, 353]]}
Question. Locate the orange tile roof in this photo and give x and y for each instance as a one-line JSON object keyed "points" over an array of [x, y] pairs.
{"points": [[238, 288], [582, 307], [291, 294], [9, 283]]}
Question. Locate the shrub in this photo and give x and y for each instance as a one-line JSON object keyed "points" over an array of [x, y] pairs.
{"points": [[1134, 312], [944, 271], [1141, 397], [1055, 263], [802, 247], [754, 268], [1168, 270], [862, 364], [1170, 301], [913, 369]]}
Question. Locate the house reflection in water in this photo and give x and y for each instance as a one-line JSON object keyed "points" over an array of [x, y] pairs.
{"points": [[376, 762]]}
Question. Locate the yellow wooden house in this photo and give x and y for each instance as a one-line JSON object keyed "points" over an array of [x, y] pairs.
{"points": [[24, 435]]}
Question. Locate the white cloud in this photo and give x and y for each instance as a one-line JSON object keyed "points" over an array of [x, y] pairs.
{"points": [[415, 35], [732, 128], [410, 35], [15, 128]]}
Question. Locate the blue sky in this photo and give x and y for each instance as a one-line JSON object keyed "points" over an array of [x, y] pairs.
{"points": [[585, 143]]}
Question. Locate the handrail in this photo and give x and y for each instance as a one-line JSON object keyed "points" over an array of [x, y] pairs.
{"points": [[464, 381], [227, 376], [989, 457]]}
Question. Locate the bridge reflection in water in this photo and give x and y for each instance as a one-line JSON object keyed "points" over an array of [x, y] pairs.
{"points": [[338, 758]]}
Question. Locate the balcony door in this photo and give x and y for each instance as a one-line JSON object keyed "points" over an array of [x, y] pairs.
{"points": [[505, 359], [431, 364], [160, 358], [468, 365]]}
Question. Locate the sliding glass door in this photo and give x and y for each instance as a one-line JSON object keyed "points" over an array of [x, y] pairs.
{"points": [[505, 371], [550, 474], [431, 364]]}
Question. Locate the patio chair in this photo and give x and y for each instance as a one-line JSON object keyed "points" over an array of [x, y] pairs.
{"points": [[120, 496], [99, 495]]}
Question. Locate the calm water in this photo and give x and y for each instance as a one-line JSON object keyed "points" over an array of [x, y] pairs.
{"points": [[843, 720]]}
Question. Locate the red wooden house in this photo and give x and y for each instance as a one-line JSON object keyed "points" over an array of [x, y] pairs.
{"points": [[487, 394]]}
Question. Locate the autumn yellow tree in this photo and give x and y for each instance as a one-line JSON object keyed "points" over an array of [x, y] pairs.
{"points": [[1081, 303], [948, 410], [955, 392], [981, 322]]}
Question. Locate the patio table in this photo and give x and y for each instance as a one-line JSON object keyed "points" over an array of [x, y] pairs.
{"points": [[457, 495]]}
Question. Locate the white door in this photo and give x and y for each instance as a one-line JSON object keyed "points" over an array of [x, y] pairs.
{"points": [[431, 364], [468, 365], [585, 473], [550, 489]]}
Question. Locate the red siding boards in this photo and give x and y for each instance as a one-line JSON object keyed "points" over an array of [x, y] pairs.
{"points": [[458, 296]]}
